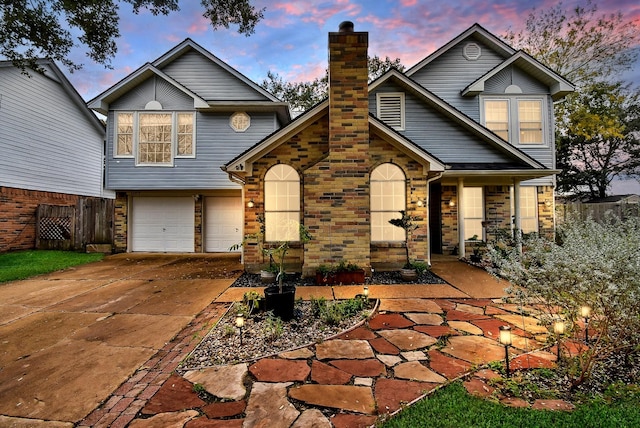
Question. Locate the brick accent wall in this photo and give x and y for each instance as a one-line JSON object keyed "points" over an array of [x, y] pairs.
{"points": [[197, 226], [18, 215], [449, 219], [121, 218], [546, 218]]}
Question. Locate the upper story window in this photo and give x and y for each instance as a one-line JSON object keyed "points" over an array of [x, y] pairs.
{"points": [[282, 204], [390, 109], [388, 197], [154, 138], [519, 120]]}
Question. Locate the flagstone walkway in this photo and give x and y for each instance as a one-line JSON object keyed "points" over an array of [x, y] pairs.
{"points": [[409, 348]]}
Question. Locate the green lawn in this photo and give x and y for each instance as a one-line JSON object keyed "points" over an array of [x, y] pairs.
{"points": [[452, 407], [25, 264]]}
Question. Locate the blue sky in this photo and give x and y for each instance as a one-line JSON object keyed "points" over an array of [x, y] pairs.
{"points": [[291, 40]]}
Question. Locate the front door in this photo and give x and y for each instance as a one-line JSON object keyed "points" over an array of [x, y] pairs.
{"points": [[435, 217]]}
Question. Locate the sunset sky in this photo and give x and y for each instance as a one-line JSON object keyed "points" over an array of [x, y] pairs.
{"points": [[292, 38]]}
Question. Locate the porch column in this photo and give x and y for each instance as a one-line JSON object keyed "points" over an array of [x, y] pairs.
{"points": [[517, 223], [461, 249]]}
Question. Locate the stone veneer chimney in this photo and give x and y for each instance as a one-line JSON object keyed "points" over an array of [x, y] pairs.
{"points": [[338, 206]]}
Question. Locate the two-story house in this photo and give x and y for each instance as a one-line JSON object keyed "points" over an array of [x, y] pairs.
{"points": [[464, 140], [171, 125]]}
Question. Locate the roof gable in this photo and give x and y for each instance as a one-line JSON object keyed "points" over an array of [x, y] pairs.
{"points": [[476, 32], [470, 125], [175, 67], [242, 164], [558, 86]]}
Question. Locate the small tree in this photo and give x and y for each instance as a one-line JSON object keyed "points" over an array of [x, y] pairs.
{"points": [[408, 223], [596, 264]]}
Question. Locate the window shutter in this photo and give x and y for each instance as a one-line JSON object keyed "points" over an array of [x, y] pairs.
{"points": [[391, 109]]}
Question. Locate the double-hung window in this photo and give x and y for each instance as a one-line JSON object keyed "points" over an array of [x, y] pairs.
{"points": [[388, 198], [517, 120], [154, 138], [282, 204]]}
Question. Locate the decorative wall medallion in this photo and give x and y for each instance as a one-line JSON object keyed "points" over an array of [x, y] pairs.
{"points": [[240, 121]]}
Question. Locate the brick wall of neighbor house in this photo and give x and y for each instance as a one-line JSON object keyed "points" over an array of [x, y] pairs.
{"points": [[120, 226], [18, 215]]}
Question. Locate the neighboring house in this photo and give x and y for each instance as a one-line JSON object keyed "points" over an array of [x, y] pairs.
{"points": [[171, 124], [51, 149], [464, 140]]}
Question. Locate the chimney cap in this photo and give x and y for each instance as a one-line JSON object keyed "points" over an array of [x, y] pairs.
{"points": [[346, 27]]}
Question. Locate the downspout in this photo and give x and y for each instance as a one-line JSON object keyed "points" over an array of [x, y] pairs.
{"points": [[428, 201]]}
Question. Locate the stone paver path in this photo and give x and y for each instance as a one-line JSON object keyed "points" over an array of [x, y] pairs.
{"points": [[404, 352]]}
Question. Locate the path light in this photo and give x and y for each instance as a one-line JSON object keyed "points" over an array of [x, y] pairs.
{"points": [[505, 339], [240, 324], [558, 329], [585, 312], [365, 292]]}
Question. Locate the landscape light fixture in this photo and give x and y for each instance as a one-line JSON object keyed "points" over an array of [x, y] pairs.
{"points": [[365, 292], [585, 312], [505, 339], [240, 324], [558, 329]]}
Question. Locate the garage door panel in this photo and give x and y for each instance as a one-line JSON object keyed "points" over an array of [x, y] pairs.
{"points": [[163, 224], [223, 223]]}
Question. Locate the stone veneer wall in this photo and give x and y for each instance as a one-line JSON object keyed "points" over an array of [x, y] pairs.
{"points": [[18, 215], [121, 218]]}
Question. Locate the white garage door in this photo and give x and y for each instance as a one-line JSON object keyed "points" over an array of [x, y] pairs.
{"points": [[163, 224], [223, 223]]}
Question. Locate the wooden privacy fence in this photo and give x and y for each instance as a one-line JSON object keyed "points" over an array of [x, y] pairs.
{"points": [[64, 227], [596, 211]]}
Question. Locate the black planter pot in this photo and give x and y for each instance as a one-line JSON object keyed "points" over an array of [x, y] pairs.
{"points": [[280, 303]]}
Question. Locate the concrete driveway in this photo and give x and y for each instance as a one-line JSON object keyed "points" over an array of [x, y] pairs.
{"points": [[70, 338]]}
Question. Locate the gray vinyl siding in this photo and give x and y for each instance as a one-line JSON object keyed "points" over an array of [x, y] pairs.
{"points": [[216, 144], [209, 80], [514, 76], [449, 74], [47, 142], [440, 135], [154, 88]]}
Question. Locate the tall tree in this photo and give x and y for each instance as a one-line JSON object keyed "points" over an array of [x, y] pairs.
{"points": [[303, 95], [31, 29], [592, 51], [602, 141], [581, 45]]}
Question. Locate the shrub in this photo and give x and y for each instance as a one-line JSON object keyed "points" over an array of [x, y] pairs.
{"points": [[595, 264]]}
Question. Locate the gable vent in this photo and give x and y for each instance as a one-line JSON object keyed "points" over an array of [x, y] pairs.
{"points": [[472, 51], [391, 109]]}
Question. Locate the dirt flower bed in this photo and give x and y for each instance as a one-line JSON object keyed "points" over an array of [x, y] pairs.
{"points": [[264, 335]]}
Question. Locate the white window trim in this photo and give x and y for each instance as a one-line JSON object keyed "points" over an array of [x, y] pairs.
{"points": [[136, 135], [514, 122], [399, 96]]}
